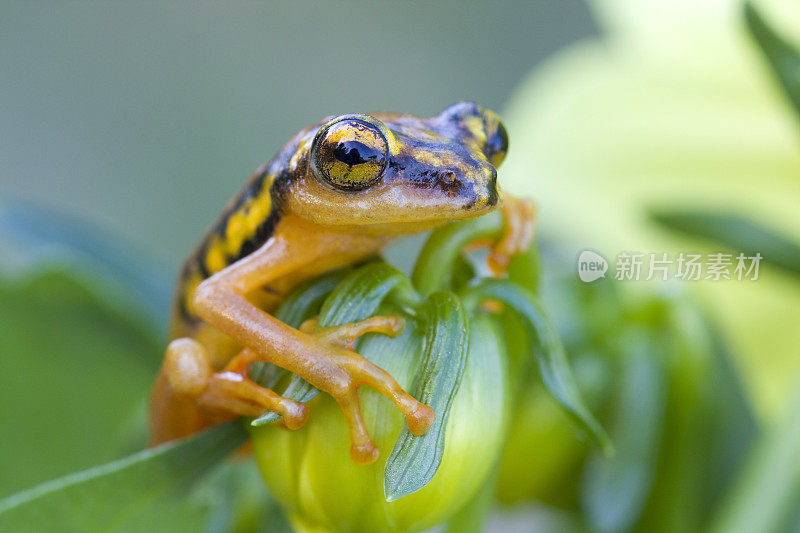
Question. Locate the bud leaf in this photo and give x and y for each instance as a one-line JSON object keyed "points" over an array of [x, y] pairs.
{"points": [[415, 460], [550, 357]]}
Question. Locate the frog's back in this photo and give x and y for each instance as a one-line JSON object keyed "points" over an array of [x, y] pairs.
{"points": [[244, 225]]}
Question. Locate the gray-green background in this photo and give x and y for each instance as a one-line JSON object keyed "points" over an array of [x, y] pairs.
{"points": [[146, 117]]}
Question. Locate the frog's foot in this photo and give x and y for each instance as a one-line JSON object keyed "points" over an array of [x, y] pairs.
{"points": [[352, 370], [229, 393], [519, 215]]}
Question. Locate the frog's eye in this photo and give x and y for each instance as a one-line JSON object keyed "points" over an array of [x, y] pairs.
{"points": [[350, 154], [496, 140]]}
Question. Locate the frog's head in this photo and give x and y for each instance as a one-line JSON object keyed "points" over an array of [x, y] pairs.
{"points": [[398, 170]]}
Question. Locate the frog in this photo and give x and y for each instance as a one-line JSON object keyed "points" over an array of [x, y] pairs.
{"points": [[336, 194]]}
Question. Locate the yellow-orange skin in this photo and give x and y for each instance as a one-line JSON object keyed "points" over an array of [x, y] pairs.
{"points": [[291, 223]]}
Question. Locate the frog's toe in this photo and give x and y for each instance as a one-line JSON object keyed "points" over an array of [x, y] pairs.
{"points": [[421, 420], [357, 370], [419, 416], [346, 334], [232, 393], [362, 449]]}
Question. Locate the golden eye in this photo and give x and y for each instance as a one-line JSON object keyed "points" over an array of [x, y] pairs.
{"points": [[350, 154]]}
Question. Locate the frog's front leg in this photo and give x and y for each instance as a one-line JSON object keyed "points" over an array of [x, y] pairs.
{"points": [[323, 357]]}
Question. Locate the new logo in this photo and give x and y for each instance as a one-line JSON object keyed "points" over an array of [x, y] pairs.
{"points": [[591, 266]]}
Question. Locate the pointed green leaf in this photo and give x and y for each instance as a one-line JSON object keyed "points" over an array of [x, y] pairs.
{"points": [[119, 495], [737, 233], [549, 352], [783, 58], [414, 460]]}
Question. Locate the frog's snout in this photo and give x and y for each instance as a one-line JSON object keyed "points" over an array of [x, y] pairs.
{"points": [[493, 193]]}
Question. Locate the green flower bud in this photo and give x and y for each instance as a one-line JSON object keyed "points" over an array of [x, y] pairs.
{"points": [[310, 472], [464, 362]]}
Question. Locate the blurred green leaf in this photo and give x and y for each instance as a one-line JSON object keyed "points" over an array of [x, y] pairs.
{"points": [[524, 269], [782, 57], [676, 503], [40, 231], [414, 460], [732, 424], [118, 496], [737, 233], [74, 377], [549, 353], [767, 489], [615, 488], [239, 501]]}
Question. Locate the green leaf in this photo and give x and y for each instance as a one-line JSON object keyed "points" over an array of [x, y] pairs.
{"points": [[615, 488], [438, 259], [239, 501], [782, 57], [414, 460], [360, 294], [524, 269], [74, 378], [733, 426], [677, 499], [764, 495], [117, 496], [305, 300], [38, 230], [549, 352], [737, 233]]}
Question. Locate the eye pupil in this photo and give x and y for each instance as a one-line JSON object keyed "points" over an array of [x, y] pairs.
{"points": [[354, 153], [350, 154]]}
